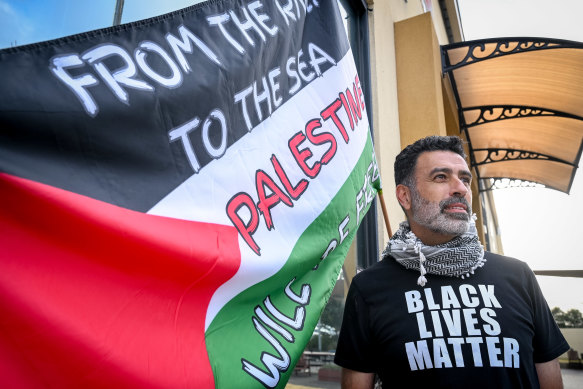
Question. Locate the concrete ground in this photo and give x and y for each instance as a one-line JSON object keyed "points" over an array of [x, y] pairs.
{"points": [[303, 381], [572, 379]]}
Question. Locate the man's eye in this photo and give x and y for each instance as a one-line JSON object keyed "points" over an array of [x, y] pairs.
{"points": [[440, 177], [466, 180]]}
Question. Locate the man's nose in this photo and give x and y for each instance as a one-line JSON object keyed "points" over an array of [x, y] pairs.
{"points": [[458, 188]]}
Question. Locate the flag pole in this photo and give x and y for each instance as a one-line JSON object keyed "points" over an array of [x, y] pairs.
{"points": [[118, 12], [385, 213]]}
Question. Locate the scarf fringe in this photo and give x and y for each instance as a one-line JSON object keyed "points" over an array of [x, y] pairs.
{"points": [[421, 281]]}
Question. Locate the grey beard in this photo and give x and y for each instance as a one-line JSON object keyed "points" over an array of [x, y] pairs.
{"points": [[431, 215]]}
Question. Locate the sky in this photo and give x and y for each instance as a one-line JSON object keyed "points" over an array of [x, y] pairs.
{"points": [[539, 226], [28, 21]]}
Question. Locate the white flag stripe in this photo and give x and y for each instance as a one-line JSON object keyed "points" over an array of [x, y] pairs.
{"points": [[204, 196]]}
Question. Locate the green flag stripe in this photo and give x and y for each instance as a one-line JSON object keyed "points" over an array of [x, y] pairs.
{"points": [[272, 326]]}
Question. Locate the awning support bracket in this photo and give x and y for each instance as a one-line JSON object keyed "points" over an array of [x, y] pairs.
{"points": [[491, 113], [503, 154], [481, 50], [505, 182]]}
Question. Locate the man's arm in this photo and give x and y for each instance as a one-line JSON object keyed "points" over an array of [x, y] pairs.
{"points": [[352, 379], [549, 374]]}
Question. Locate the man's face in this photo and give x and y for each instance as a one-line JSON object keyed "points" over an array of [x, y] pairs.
{"points": [[441, 199]]}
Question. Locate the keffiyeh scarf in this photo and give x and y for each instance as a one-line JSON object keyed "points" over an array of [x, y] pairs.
{"points": [[457, 258]]}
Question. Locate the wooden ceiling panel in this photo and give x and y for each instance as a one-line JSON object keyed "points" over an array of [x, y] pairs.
{"points": [[520, 103]]}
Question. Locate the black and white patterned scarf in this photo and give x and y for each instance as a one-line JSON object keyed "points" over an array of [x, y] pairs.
{"points": [[457, 258]]}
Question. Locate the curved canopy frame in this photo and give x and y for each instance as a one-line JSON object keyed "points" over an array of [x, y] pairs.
{"points": [[520, 106]]}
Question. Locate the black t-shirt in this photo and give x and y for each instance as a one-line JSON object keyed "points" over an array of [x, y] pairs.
{"points": [[485, 331]]}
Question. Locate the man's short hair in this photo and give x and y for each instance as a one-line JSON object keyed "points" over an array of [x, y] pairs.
{"points": [[407, 159]]}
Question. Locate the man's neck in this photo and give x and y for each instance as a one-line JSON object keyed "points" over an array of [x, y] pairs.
{"points": [[429, 237]]}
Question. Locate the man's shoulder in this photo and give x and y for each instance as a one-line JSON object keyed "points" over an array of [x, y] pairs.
{"points": [[490, 256], [380, 272], [503, 262], [381, 281], [370, 273], [381, 266]]}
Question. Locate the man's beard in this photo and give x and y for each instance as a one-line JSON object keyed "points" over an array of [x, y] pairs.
{"points": [[432, 216]]}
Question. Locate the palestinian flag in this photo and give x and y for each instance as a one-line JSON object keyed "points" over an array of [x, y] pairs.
{"points": [[178, 196]]}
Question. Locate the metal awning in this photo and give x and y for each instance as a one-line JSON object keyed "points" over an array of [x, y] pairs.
{"points": [[520, 105]]}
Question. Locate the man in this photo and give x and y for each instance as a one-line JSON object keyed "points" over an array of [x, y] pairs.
{"points": [[437, 311]]}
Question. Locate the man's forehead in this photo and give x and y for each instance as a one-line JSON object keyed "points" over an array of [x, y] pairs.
{"points": [[432, 160]]}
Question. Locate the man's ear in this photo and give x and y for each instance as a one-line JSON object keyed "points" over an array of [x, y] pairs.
{"points": [[404, 196]]}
